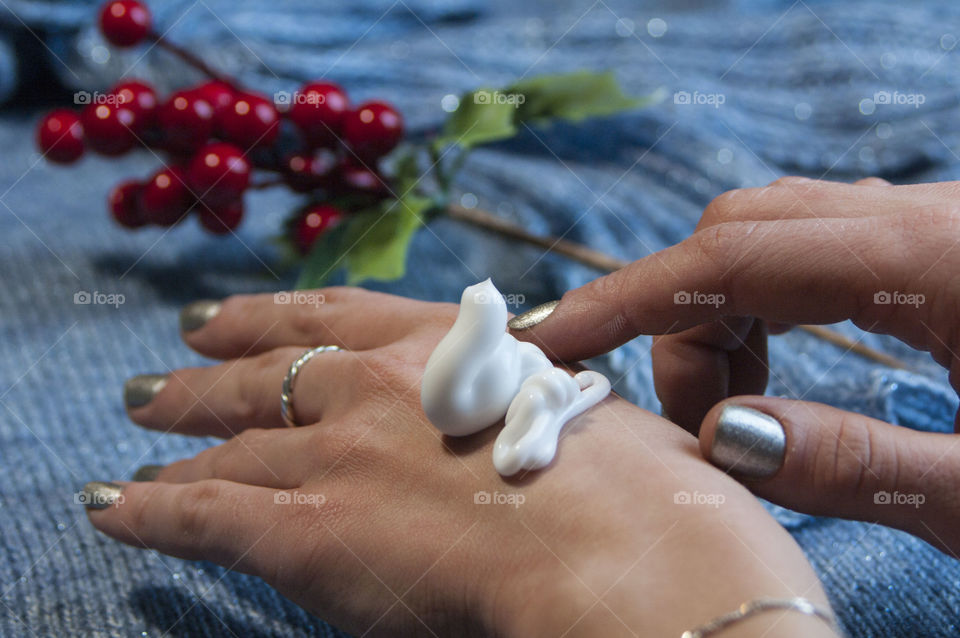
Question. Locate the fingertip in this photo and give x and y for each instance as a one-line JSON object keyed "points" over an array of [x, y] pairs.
{"points": [[708, 427], [738, 435], [533, 317], [196, 315], [203, 324], [102, 500]]}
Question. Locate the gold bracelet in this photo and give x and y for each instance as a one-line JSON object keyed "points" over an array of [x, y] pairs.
{"points": [[753, 607]]}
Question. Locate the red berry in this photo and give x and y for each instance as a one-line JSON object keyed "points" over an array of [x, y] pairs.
{"points": [[165, 199], [186, 120], [124, 23], [317, 110], [313, 222], [304, 173], [360, 179], [372, 129], [218, 94], [108, 129], [251, 120], [219, 173], [139, 98], [222, 219], [124, 204], [60, 136]]}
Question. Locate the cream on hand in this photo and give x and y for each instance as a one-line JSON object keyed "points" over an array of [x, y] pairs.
{"points": [[479, 374]]}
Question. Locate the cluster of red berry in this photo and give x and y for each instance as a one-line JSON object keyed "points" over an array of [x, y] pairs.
{"points": [[216, 134]]}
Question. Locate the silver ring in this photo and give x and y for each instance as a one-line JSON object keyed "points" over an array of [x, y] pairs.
{"points": [[286, 392]]}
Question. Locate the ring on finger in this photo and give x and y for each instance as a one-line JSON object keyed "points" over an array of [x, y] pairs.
{"points": [[286, 393]]}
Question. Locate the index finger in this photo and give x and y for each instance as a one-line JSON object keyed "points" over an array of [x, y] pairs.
{"points": [[789, 271]]}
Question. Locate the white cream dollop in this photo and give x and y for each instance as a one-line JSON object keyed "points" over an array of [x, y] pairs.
{"points": [[479, 373], [546, 401]]}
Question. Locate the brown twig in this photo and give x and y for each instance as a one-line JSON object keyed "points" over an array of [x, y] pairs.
{"points": [[191, 59], [605, 262]]}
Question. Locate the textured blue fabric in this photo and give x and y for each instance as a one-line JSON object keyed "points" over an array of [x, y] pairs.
{"points": [[797, 80]]}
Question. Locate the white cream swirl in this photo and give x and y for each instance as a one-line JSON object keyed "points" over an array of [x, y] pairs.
{"points": [[479, 373]]}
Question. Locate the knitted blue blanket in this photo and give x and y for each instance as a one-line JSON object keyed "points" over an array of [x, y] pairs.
{"points": [[755, 89]]}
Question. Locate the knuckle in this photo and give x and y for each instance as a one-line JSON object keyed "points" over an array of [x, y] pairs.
{"points": [[228, 459], [303, 320], [848, 460], [721, 207], [354, 450], [138, 510], [251, 439], [721, 244], [790, 180], [192, 518], [387, 372], [219, 462], [338, 441], [257, 385], [872, 181]]}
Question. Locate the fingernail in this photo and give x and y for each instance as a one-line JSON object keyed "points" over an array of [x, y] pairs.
{"points": [[147, 473], [748, 442], [196, 315], [99, 495], [533, 316], [140, 390]]}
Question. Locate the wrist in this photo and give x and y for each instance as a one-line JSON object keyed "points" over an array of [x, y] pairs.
{"points": [[693, 571]]}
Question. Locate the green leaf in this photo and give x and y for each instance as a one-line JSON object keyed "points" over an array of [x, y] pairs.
{"points": [[377, 243], [478, 120], [406, 171], [371, 244], [324, 259], [570, 96], [487, 115]]}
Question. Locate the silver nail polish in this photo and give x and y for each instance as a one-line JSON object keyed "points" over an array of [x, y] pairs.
{"points": [[196, 315], [147, 473], [99, 495], [748, 442], [533, 316], [140, 390]]}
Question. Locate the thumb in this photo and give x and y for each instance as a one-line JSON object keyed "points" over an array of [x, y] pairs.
{"points": [[820, 460]]}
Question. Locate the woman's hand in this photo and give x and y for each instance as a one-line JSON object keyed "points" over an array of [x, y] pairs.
{"points": [[798, 251], [373, 521]]}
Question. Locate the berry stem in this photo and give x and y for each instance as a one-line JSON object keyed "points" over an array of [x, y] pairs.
{"points": [[573, 250], [605, 262], [192, 60]]}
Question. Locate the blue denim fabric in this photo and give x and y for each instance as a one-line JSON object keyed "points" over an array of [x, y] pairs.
{"points": [[794, 77]]}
